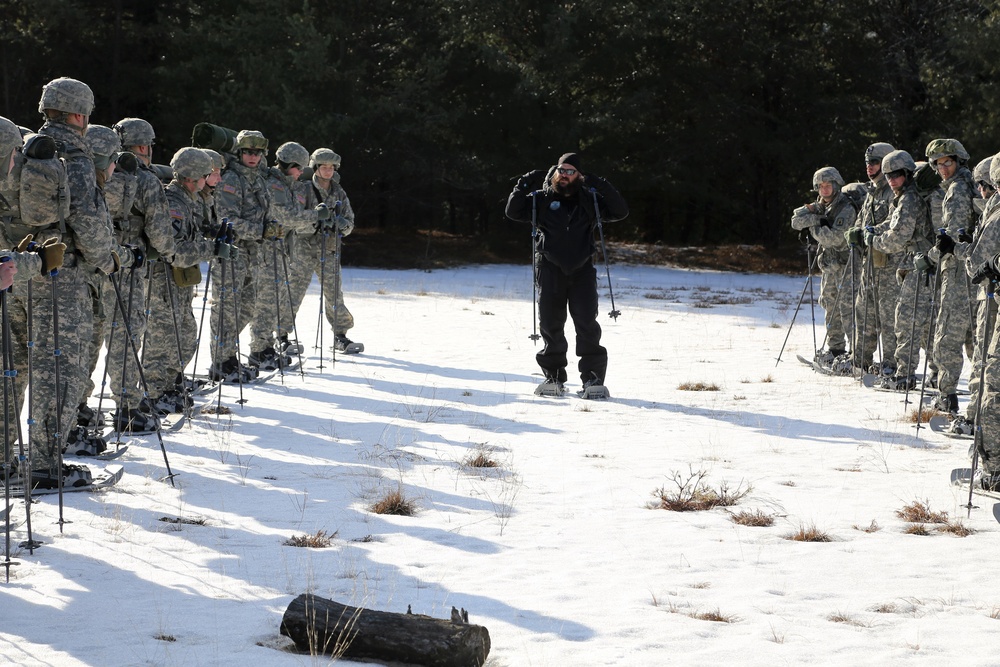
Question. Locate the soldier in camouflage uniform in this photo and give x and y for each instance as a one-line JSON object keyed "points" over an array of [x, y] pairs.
{"points": [[66, 105], [828, 219], [147, 228], [171, 336], [309, 252], [954, 319], [984, 246], [879, 292], [244, 200], [292, 213], [906, 231]]}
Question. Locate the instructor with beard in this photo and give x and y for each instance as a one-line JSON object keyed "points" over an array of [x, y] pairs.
{"points": [[562, 205]]}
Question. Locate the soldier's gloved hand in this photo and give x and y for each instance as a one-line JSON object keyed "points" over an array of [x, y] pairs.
{"points": [[532, 180], [945, 244], [272, 230], [964, 236], [985, 271], [116, 263], [901, 276], [343, 224], [52, 251], [221, 249], [25, 244], [234, 251], [869, 235], [855, 236], [824, 222], [922, 262], [138, 258]]}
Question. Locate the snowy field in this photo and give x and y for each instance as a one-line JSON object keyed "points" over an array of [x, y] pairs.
{"points": [[558, 551]]}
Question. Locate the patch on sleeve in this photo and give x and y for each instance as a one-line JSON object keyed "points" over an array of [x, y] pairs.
{"points": [[229, 189], [176, 214], [301, 199], [280, 187]]}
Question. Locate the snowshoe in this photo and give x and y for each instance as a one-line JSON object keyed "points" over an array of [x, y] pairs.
{"points": [[550, 387], [172, 402], [83, 442], [989, 481], [88, 417], [135, 421], [594, 389], [232, 371], [947, 403], [342, 343], [72, 476], [898, 382], [962, 426], [269, 360], [290, 348], [842, 365]]}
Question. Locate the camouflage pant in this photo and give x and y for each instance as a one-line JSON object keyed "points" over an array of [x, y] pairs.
{"points": [[876, 313], [953, 326], [913, 317], [109, 330], [308, 258], [237, 296], [171, 325], [985, 309], [272, 317], [74, 305], [990, 412], [836, 298]]}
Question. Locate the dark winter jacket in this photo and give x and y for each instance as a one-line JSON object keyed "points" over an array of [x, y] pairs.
{"points": [[565, 224]]}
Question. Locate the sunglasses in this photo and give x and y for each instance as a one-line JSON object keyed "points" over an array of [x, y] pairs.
{"points": [[899, 173], [874, 162], [566, 172]]}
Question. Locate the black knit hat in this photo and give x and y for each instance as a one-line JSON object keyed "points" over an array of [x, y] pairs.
{"points": [[573, 159]]}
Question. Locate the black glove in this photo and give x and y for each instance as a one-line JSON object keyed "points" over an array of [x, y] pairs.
{"points": [[964, 236], [824, 222], [987, 271], [533, 180], [945, 244], [137, 257]]}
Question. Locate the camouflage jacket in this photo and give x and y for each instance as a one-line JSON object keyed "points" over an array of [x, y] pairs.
{"points": [[985, 244], [242, 197], [958, 211], [187, 213], [907, 229], [839, 216], [148, 221], [290, 203], [332, 196]]}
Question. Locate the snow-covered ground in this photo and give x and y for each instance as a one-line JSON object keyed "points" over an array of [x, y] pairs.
{"points": [[558, 551]]}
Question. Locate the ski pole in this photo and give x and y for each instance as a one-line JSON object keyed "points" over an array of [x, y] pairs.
{"points": [[237, 321], [8, 381], [604, 251], [534, 266], [26, 462], [220, 344], [277, 305], [201, 320], [168, 281], [337, 247], [798, 305], [978, 445], [322, 285], [288, 288], [142, 376], [57, 435], [927, 345]]}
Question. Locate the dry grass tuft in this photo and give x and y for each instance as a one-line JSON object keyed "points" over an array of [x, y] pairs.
{"points": [[957, 528], [180, 519], [767, 379], [716, 616], [809, 534], [480, 459], [756, 518], [885, 608], [216, 410], [318, 541], [693, 495], [916, 529], [164, 637], [394, 502], [925, 415], [995, 614], [698, 386], [920, 512], [873, 527], [840, 617]]}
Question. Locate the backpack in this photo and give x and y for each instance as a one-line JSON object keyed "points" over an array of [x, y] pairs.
{"points": [[41, 198], [926, 179]]}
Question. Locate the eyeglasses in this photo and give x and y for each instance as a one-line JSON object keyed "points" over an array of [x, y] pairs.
{"points": [[253, 151], [947, 164], [985, 185], [566, 172], [899, 173]]}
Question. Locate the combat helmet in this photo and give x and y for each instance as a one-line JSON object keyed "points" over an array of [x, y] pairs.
{"points": [[10, 138], [324, 156], [898, 160], [939, 148], [135, 132], [982, 172], [105, 144], [995, 169], [877, 151], [218, 162], [291, 152], [192, 163], [67, 95], [251, 139], [828, 175]]}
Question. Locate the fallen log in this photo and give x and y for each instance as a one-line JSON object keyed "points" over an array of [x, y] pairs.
{"points": [[324, 627]]}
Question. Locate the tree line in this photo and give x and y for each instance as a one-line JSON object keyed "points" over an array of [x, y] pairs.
{"points": [[709, 117]]}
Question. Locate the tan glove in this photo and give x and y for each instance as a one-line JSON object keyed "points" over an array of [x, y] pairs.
{"points": [[52, 251], [25, 242]]}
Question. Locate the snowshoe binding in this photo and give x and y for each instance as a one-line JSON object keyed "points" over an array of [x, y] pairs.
{"points": [[83, 442], [342, 343]]}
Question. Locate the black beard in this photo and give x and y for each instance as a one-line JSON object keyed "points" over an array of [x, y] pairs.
{"points": [[571, 189]]}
